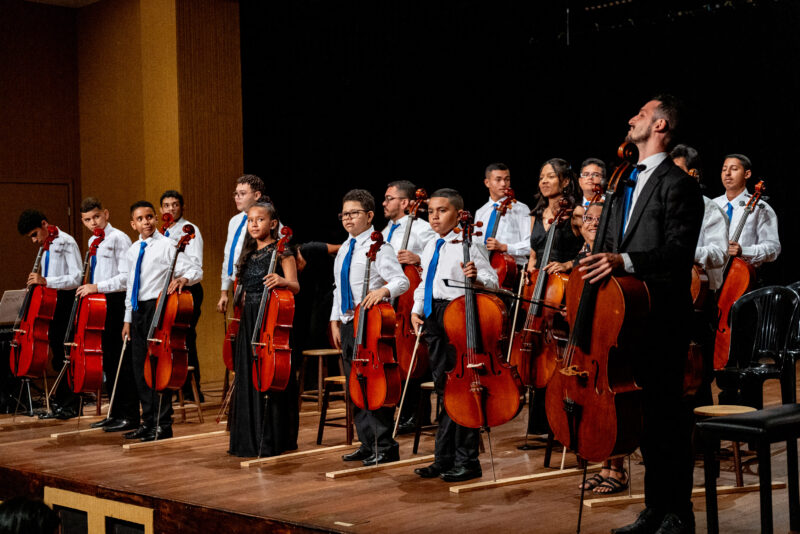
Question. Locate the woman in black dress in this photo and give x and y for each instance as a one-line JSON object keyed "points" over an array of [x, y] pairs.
{"points": [[254, 432]]}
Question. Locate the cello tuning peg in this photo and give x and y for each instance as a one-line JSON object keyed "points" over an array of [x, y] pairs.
{"points": [[479, 224], [477, 234]]}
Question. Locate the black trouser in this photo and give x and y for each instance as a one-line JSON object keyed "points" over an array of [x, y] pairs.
{"points": [[126, 401], [456, 445], [415, 396], [64, 396], [370, 424], [704, 325], [148, 397], [191, 338]]}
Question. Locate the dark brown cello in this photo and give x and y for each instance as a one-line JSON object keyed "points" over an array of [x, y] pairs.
{"points": [[30, 344], [272, 355], [503, 263], [739, 277], [405, 337], [166, 364], [374, 373], [592, 401], [482, 391], [534, 349]]}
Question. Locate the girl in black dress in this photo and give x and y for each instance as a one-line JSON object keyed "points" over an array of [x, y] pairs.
{"points": [[252, 429]]}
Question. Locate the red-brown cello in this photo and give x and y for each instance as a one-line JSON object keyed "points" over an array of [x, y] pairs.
{"points": [[739, 277], [374, 373], [30, 344], [503, 263], [405, 337], [232, 328], [272, 355]]}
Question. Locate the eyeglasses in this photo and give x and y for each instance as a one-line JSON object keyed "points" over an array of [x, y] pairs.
{"points": [[389, 198], [239, 194], [591, 175], [591, 219], [350, 214]]}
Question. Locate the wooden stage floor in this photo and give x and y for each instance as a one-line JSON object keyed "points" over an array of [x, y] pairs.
{"points": [[195, 486]]}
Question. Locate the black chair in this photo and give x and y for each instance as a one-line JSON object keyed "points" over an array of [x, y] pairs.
{"points": [[762, 427], [763, 323]]}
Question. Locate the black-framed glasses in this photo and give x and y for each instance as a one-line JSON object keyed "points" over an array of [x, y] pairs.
{"points": [[591, 175], [591, 219], [350, 214]]}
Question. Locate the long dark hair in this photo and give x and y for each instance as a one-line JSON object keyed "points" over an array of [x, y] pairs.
{"points": [[564, 172], [250, 245]]}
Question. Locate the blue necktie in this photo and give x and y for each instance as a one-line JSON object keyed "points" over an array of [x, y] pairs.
{"points": [[347, 291], [391, 232], [46, 263], [729, 211], [431, 274], [629, 187], [166, 234], [233, 246], [490, 227], [94, 264], [136, 276], [586, 202]]}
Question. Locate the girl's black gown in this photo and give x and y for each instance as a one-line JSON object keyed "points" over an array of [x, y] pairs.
{"points": [[247, 415]]}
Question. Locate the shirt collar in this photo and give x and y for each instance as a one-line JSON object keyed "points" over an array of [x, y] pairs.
{"points": [[399, 221], [651, 162], [498, 201], [743, 196], [155, 237], [363, 236], [451, 235]]}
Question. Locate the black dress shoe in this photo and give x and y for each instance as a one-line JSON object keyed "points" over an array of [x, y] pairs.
{"points": [[118, 425], [66, 413], [461, 473], [648, 522], [392, 454], [161, 432], [360, 453], [138, 433], [431, 471], [672, 524], [103, 422]]}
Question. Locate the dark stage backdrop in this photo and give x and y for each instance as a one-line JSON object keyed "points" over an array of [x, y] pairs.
{"points": [[339, 95]]}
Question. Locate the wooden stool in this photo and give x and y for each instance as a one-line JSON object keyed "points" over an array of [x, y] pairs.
{"points": [[426, 388], [315, 394], [719, 410], [195, 392], [329, 383]]}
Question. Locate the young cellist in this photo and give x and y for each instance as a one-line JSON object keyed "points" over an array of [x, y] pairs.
{"points": [[456, 454], [149, 260], [60, 270], [387, 280], [254, 433], [109, 276]]}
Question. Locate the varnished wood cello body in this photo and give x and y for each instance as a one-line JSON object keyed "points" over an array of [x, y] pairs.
{"points": [[503, 263]]}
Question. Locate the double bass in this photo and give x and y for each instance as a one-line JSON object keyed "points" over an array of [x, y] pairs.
{"points": [[272, 355], [166, 364], [592, 401], [482, 391], [374, 373], [534, 349], [739, 277], [405, 337], [30, 344], [84, 349], [503, 263]]}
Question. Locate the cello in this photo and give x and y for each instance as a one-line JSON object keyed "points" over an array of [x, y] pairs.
{"points": [[167, 222], [30, 344], [374, 373], [87, 321], [272, 355], [739, 276], [534, 349], [503, 263], [166, 364], [405, 337], [482, 391], [232, 328], [592, 402]]}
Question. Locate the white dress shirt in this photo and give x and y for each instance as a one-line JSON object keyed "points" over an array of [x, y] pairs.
{"points": [[712, 245], [759, 238], [156, 262], [514, 228], [111, 269], [233, 224], [386, 270], [451, 255], [421, 233], [65, 266], [194, 250]]}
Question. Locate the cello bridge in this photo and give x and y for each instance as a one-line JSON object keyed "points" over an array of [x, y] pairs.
{"points": [[70, 344], [154, 340], [360, 360], [573, 370], [258, 344], [19, 331], [478, 366]]}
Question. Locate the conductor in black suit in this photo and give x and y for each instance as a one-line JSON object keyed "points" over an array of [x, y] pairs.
{"points": [[654, 225]]}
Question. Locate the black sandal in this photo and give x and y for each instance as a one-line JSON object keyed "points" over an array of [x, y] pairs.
{"points": [[612, 484], [592, 482]]}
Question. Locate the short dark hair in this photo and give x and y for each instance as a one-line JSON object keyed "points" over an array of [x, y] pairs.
{"points": [[30, 220], [746, 163], [669, 108], [141, 204], [452, 196], [686, 152], [255, 183], [494, 167], [362, 196], [91, 203], [408, 189], [250, 245], [171, 193], [594, 161], [22, 514]]}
